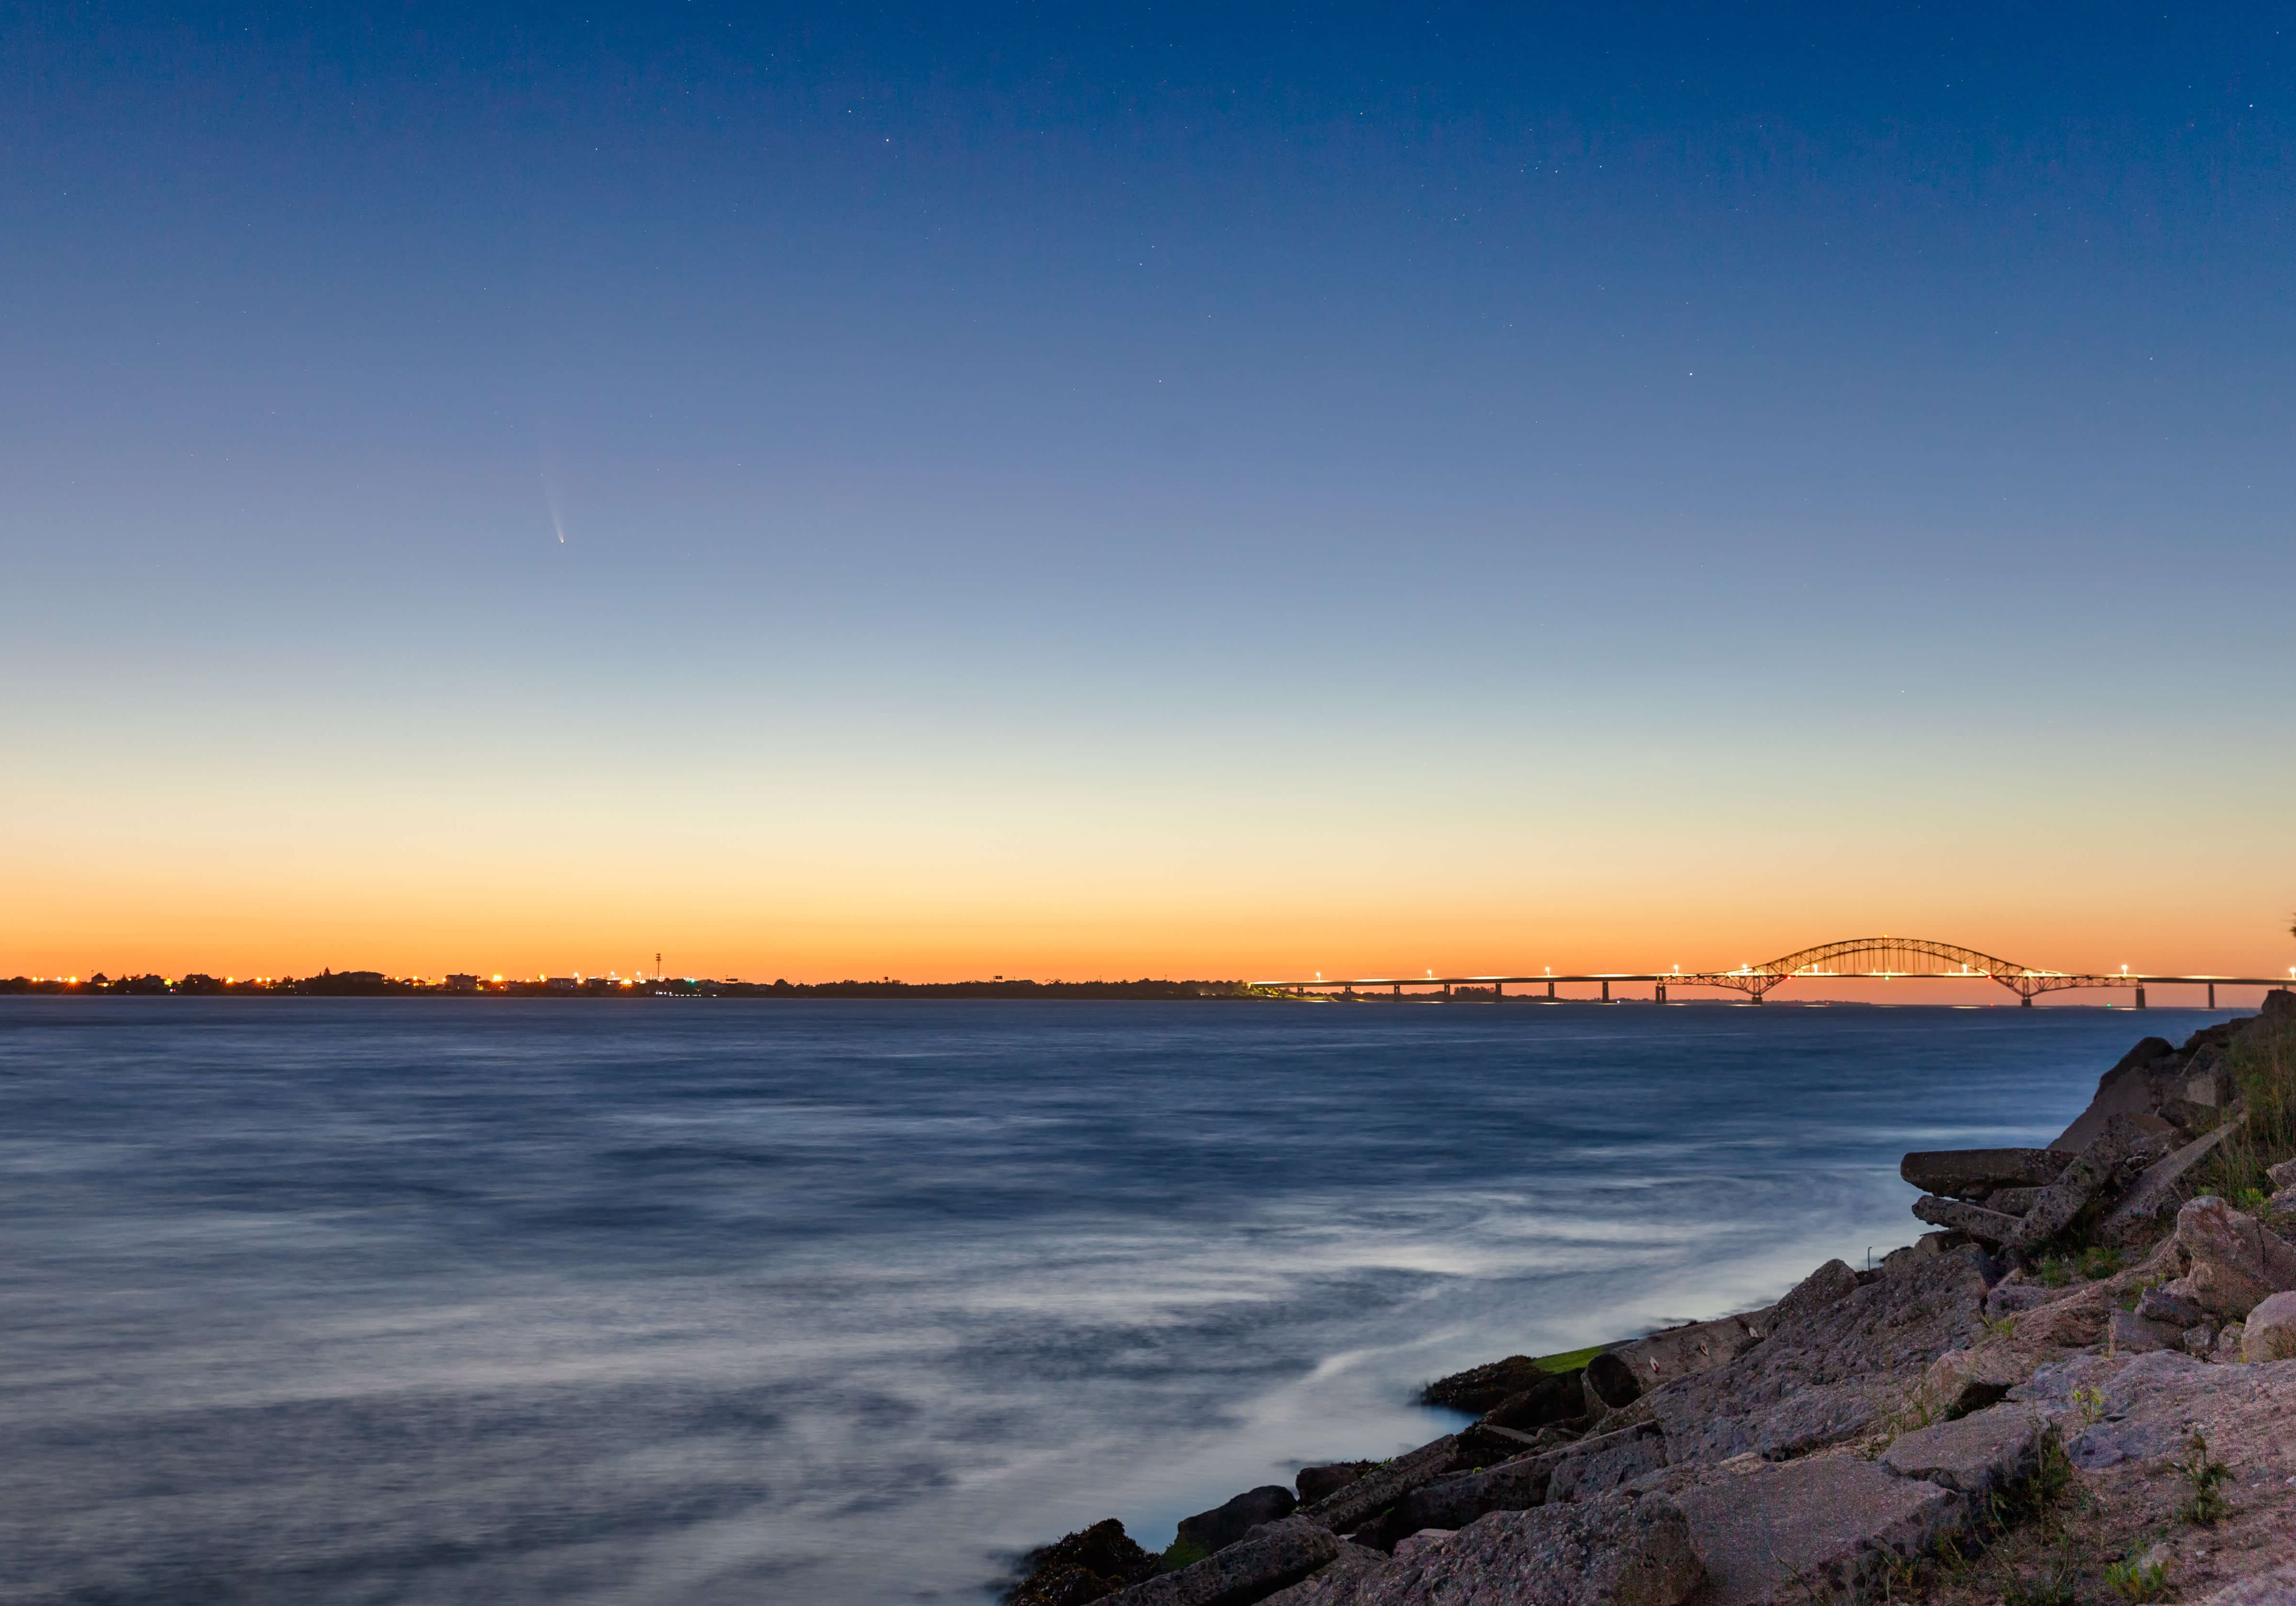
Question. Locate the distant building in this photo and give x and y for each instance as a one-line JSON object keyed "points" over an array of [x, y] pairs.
{"points": [[561, 984], [462, 983]]}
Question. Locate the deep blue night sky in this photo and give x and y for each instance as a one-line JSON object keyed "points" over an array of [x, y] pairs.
{"points": [[1608, 420]]}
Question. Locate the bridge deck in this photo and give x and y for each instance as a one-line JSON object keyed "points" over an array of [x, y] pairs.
{"points": [[1727, 977]]}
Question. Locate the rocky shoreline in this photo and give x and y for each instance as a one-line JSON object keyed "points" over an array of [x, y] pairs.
{"points": [[2080, 1386]]}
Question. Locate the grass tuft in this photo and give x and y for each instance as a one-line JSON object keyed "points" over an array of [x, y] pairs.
{"points": [[2264, 1073]]}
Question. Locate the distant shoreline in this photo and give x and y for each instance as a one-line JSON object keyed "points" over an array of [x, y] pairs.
{"points": [[356, 984]]}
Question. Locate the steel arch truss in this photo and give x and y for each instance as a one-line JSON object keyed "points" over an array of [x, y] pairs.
{"points": [[1882, 958]]}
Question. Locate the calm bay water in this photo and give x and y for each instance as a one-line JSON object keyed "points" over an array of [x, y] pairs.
{"points": [[475, 1300]]}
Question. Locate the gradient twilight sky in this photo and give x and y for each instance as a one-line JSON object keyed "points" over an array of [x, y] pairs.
{"points": [[1143, 489]]}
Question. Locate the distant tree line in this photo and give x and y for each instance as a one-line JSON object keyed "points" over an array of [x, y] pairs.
{"points": [[375, 984]]}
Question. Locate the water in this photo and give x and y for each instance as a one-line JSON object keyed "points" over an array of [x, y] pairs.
{"points": [[448, 1300]]}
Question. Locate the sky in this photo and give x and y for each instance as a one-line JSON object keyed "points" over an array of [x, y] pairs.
{"points": [[1235, 491]]}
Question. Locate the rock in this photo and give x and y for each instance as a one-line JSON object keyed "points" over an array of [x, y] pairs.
{"points": [[2236, 1259], [2279, 1008], [1512, 1486], [1965, 1381], [2164, 1303], [1986, 1225], [2010, 1298], [1694, 1346], [2066, 1196], [1215, 1530], [1613, 1382], [2201, 1340], [2279, 1212], [1273, 1556], [1481, 1388], [2145, 1076], [1555, 1397], [2156, 1191], [2276, 1587], [1827, 1376], [1455, 1502], [2229, 1337], [1981, 1454], [2132, 1334], [2209, 1080], [2074, 1320], [1411, 1544], [1485, 1446], [1968, 1172], [1084, 1566], [2012, 1201], [2283, 1174], [1315, 1483], [1585, 1475], [1353, 1562], [1822, 1527], [1345, 1508], [1613, 1552], [1828, 1284], [2270, 1333]]}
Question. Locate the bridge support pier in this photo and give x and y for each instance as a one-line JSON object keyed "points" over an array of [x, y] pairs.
{"points": [[1499, 989], [2140, 997], [2024, 1001], [1606, 992], [2212, 994], [1662, 992], [1550, 989], [1398, 989]]}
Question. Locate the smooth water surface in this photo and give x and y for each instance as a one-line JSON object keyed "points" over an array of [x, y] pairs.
{"points": [[485, 1300]]}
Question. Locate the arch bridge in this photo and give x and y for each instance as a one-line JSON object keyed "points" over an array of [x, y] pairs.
{"points": [[1852, 959]]}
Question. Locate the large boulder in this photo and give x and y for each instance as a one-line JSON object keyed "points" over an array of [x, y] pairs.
{"points": [[1981, 1222], [1962, 1380], [2237, 1260], [1479, 1388], [2132, 1334], [1979, 1454], [1225, 1524], [2074, 1320], [2139, 1208], [2270, 1333], [1455, 1502], [1822, 1528], [2144, 1079], [1829, 1284], [1346, 1509], [1675, 1352], [1974, 1173], [1830, 1374], [1270, 1558], [1551, 1397], [1315, 1483], [1618, 1551], [1612, 1380], [2053, 1208], [1593, 1473], [1522, 1483], [1084, 1566], [2163, 1303]]}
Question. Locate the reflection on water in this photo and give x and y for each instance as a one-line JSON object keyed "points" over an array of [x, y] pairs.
{"points": [[425, 1300]]}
